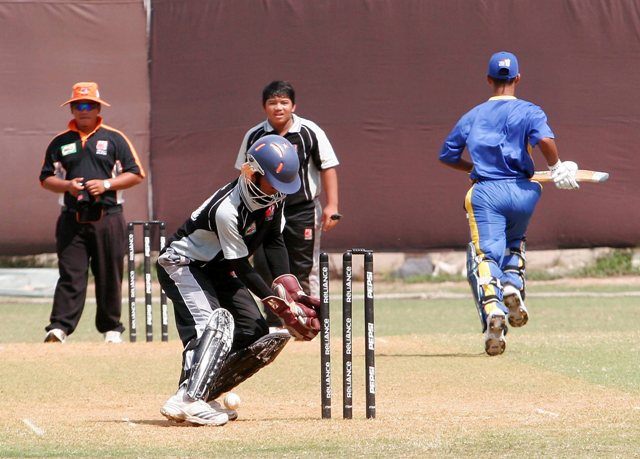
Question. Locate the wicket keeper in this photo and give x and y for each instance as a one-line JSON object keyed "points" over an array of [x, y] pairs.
{"points": [[205, 271], [500, 135]]}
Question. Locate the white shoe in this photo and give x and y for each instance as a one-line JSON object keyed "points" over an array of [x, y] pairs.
{"points": [[113, 337], [279, 330], [518, 313], [197, 412], [233, 414], [55, 336], [494, 341]]}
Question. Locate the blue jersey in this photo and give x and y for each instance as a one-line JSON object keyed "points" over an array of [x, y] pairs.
{"points": [[499, 134]]}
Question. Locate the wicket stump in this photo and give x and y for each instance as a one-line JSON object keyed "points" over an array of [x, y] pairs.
{"points": [[347, 334], [133, 326]]}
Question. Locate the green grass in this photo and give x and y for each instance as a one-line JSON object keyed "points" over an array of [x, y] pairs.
{"points": [[566, 387], [25, 322], [617, 263]]}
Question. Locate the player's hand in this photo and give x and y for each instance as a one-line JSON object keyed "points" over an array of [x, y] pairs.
{"points": [[564, 175], [75, 186], [95, 187], [290, 284], [301, 321], [330, 218]]}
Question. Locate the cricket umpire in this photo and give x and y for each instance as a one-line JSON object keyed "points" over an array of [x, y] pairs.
{"points": [[500, 135], [89, 164]]}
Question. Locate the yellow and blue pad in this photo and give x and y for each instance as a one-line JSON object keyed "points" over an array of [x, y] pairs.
{"points": [[485, 286]]}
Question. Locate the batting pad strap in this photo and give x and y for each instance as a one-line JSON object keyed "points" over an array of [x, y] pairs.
{"points": [[210, 352], [486, 280], [489, 299], [245, 362], [512, 269]]}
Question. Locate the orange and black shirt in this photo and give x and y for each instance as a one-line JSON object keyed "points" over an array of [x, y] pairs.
{"points": [[102, 154]]}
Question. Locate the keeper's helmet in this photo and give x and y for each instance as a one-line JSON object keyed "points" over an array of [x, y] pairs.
{"points": [[273, 157]]}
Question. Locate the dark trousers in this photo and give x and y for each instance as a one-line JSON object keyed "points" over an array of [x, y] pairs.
{"points": [[80, 246], [299, 236]]}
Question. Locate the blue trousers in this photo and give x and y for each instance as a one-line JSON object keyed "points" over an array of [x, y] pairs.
{"points": [[499, 212]]}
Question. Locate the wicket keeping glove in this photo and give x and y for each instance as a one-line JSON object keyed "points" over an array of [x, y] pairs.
{"points": [[564, 175], [290, 283], [301, 321]]}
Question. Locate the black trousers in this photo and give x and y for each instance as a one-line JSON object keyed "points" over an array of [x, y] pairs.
{"points": [[299, 236], [101, 247]]}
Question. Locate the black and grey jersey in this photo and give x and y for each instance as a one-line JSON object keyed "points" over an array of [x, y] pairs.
{"points": [[314, 152], [223, 228]]}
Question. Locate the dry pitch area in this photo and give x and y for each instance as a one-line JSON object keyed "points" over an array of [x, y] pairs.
{"points": [[566, 387]]}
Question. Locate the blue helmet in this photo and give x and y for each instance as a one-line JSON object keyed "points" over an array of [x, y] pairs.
{"points": [[274, 157]]}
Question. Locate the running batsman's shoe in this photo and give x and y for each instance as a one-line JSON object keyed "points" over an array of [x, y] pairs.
{"points": [[196, 412], [518, 313], [494, 340]]}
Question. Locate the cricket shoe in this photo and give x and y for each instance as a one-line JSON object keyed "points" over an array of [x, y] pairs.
{"points": [[233, 414], [280, 330], [113, 336], [518, 313], [494, 340], [55, 336], [196, 412]]}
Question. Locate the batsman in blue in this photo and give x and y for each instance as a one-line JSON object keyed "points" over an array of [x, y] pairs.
{"points": [[500, 135]]}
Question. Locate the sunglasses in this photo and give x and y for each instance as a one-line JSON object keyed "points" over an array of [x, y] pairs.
{"points": [[84, 106]]}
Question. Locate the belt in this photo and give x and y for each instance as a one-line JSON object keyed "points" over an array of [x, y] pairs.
{"points": [[107, 210]]}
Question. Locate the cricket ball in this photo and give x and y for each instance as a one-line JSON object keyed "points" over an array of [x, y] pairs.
{"points": [[231, 401]]}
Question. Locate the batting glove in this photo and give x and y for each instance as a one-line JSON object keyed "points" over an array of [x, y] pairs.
{"points": [[564, 175]]}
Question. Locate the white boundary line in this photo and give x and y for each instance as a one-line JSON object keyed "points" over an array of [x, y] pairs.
{"points": [[34, 428]]}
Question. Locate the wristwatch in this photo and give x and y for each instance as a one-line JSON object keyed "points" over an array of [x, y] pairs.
{"points": [[106, 184]]}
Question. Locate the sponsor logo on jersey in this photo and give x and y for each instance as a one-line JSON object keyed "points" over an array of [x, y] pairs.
{"points": [[101, 147], [68, 149], [308, 234], [268, 215], [251, 230]]}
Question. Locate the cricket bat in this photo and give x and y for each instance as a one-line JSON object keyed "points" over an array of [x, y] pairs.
{"points": [[582, 175]]}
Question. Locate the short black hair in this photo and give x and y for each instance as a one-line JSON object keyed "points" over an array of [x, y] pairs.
{"points": [[278, 88]]}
